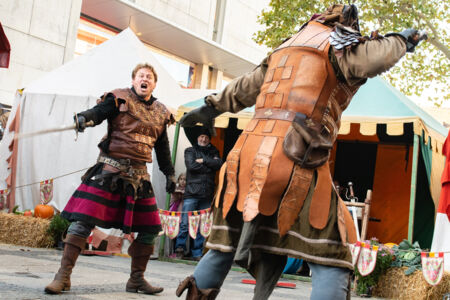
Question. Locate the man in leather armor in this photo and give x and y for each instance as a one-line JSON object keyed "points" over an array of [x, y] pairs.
{"points": [[116, 192], [275, 196]]}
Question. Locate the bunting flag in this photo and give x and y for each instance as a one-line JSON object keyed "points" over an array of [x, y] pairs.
{"points": [[173, 224], [194, 221], [206, 223], [163, 218], [432, 266], [46, 188], [355, 249], [441, 240], [3, 203], [367, 259]]}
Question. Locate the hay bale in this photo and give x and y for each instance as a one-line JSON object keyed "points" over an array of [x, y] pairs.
{"points": [[24, 231], [396, 285]]}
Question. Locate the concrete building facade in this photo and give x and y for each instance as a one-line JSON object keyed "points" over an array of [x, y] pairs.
{"points": [[43, 33]]}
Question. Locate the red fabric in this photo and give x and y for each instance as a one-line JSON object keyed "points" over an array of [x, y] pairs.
{"points": [[5, 49], [12, 160], [444, 200]]}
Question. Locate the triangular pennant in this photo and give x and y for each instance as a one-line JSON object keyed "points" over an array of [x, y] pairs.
{"points": [[194, 221], [46, 188], [3, 200], [367, 259], [206, 224], [355, 249], [432, 267], [163, 219], [173, 226]]}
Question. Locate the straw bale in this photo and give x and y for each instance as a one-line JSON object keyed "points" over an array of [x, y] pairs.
{"points": [[396, 285], [24, 231]]}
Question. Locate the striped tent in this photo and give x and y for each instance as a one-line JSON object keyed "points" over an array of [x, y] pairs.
{"points": [[386, 143]]}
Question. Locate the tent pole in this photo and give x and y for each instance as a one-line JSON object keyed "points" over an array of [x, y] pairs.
{"points": [[412, 199], [174, 158]]}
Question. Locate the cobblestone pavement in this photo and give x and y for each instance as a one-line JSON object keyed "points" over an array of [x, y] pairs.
{"points": [[24, 272]]}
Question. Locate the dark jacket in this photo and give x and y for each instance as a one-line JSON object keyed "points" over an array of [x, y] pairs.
{"points": [[200, 176]]}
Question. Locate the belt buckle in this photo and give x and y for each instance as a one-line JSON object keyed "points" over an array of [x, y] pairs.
{"points": [[129, 171]]}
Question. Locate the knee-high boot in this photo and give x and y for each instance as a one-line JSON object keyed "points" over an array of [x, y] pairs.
{"points": [[72, 248], [140, 254], [194, 293]]}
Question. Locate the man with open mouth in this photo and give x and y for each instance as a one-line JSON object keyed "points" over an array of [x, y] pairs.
{"points": [[116, 192]]}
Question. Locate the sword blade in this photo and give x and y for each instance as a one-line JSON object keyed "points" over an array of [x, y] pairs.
{"points": [[44, 131]]}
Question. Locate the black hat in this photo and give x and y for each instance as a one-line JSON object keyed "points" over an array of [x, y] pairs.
{"points": [[204, 131]]}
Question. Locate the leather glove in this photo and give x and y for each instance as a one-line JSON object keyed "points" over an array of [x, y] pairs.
{"points": [[205, 114], [81, 125], [170, 184], [412, 38]]}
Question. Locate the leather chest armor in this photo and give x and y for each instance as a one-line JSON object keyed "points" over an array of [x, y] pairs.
{"points": [[299, 79], [137, 127]]}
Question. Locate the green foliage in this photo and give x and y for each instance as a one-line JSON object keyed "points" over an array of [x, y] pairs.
{"points": [[57, 227], [384, 259], [407, 255], [425, 70]]}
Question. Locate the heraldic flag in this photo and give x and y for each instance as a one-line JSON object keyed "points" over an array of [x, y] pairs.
{"points": [[441, 237]]}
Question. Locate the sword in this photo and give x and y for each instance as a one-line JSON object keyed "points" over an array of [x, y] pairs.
{"points": [[56, 129]]}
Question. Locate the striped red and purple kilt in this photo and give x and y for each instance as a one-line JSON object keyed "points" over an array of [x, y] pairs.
{"points": [[94, 203]]}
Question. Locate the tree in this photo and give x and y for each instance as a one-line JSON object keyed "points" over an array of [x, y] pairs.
{"points": [[427, 69]]}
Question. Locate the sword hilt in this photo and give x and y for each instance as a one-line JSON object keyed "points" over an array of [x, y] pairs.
{"points": [[77, 125]]}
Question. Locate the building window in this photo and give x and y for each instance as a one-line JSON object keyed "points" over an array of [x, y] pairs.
{"points": [[91, 35]]}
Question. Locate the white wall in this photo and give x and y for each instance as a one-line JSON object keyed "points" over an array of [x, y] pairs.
{"points": [[198, 16], [42, 34]]}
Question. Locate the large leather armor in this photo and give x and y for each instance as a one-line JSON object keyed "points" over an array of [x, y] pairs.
{"points": [[299, 79], [134, 131]]}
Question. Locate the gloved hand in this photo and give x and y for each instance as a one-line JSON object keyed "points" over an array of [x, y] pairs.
{"points": [[170, 184], [205, 114], [81, 125], [412, 38]]}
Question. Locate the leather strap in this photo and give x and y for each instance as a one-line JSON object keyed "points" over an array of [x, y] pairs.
{"points": [[321, 199], [293, 199], [260, 170], [220, 185], [232, 174], [274, 114]]}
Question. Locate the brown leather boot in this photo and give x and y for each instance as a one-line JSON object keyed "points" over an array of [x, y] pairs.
{"points": [[72, 248], [194, 293], [140, 254]]}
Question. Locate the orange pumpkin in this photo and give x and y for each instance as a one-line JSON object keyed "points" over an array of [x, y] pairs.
{"points": [[44, 211]]}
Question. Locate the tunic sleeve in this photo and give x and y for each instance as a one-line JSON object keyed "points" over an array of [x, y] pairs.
{"points": [[371, 58], [241, 92]]}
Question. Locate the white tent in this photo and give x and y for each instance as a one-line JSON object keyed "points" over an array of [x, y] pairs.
{"points": [[52, 100]]}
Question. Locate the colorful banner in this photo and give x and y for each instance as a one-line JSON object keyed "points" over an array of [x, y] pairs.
{"points": [[367, 259], [197, 219], [163, 219], [173, 225], [3, 198], [432, 266], [355, 249], [194, 222], [206, 223], [46, 191]]}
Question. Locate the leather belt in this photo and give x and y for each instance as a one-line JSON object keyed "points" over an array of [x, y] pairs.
{"points": [[275, 114], [123, 165]]}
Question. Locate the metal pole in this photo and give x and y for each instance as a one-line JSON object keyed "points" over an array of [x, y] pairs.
{"points": [[412, 199], [174, 158]]}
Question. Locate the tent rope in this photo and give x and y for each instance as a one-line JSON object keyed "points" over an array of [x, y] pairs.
{"points": [[64, 175]]}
